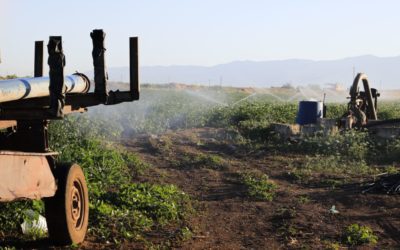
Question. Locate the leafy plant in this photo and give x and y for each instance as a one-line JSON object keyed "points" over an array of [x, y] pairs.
{"points": [[13, 210], [258, 185], [358, 235], [185, 234], [304, 199], [199, 160], [119, 208]]}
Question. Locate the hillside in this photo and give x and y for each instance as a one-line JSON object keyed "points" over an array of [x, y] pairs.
{"points": [[382, 71]]}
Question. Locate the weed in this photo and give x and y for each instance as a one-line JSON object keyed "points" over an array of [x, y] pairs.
{"points": [[392, 170], [332, 183], [287, 230], [352, 145], [7, 248], [337, 168], [331, 245], [118, 208], [13, 210], [258, 186], [286, 213], [200, 160], [185, 234], [304, 199], [135, 208], [355, 235], [35, 234], [161, 144], [32, 228]]}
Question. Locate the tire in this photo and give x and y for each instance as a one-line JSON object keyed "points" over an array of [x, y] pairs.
{"points": [[67, 213]]}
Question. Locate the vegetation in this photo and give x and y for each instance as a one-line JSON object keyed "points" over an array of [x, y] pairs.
{"points": [[355, 235], [200, 160], [258, 185], [121, 208], [8, 77]]}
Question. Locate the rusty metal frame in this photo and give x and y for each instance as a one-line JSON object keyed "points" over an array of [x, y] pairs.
{"points": [[368, 96], [34, 108], [25, 156]]}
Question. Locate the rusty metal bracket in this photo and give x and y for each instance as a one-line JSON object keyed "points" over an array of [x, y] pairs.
{"points": [[116, 97], [100, 71], [56, 63]]}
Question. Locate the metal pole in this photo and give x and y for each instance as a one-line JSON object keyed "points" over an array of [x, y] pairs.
{"points": [[38, 59], [134, 67]]}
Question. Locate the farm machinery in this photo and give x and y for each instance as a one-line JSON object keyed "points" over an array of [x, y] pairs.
{"points": [[361, 113], [362, 110], [362, 106], [28, 167]]}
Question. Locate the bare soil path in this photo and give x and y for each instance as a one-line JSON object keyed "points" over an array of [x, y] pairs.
{"points": [[226, 218]]}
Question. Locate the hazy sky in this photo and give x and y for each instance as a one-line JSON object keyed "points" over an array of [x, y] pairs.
{"points": [[199, 32]]}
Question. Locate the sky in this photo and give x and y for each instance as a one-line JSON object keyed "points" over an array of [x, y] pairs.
{"points": [[199, 32]]}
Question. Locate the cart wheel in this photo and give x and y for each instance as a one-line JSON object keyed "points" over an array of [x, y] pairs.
{"points": [[67, 212]]}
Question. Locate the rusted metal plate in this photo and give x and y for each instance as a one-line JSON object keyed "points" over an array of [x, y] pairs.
{"points": [[6, 152], [36, 114], [7, 124], [25, 175], [68, 109]]}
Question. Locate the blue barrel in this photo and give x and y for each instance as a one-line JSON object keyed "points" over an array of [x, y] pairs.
{"points": [[309, 111]]}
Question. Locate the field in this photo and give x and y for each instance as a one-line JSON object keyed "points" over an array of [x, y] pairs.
{"points": [[199, 167]]}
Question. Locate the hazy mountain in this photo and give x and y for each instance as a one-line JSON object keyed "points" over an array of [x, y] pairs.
{"points": [[382, 72]]}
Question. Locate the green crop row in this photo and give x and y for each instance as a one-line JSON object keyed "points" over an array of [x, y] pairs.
{"points": [[119, 207]]}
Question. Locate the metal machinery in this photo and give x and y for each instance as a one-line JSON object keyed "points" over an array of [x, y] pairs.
{"points": [[362, 107], [28, 169]]}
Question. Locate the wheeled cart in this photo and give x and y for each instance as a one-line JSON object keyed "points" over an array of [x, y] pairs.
{"points": [[28, 168]]}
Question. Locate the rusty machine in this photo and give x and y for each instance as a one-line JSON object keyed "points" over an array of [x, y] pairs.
{"points": [[28, 167], [362, 107]]}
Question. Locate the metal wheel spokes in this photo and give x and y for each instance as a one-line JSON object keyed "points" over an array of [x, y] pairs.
{"points": [[67, 213], [77, 204]]}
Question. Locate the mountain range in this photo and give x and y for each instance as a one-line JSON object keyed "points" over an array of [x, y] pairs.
{"points": [[383, 72]]}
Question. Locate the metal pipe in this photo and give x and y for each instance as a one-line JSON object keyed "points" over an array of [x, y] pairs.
{"points": [[24, 88]]}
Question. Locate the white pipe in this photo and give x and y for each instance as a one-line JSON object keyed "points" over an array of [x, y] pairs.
{"points": [[23, 88]]}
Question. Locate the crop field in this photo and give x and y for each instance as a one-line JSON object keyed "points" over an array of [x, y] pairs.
{"points": [[200, 168]]}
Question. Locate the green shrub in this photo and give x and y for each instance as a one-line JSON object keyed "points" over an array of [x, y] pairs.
{"points": [[14, 210], [258, 186], [355, 235], [136, 208], [352, 145], [335, 110], [118, 208], [388, 110], [199, 160]]}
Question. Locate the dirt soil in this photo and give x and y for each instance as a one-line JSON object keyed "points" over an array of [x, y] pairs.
{"points": [[227, 218]]}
